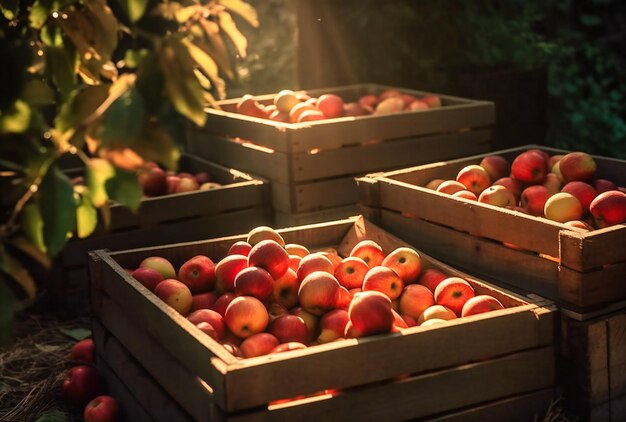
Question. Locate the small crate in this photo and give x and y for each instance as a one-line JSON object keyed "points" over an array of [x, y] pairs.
{"points": [[242, 202], [592, 366], [312, 165], [392, 377], [582, 270]]}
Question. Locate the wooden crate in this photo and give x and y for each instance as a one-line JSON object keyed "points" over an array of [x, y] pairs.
{"points": [[240, 204], [592, 366], [580, 269], [392, 377], [312, 165]]}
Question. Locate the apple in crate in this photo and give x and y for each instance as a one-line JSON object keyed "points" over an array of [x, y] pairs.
{"points": [[351, 272], [245, 316], [609, 208], [330, 105], [287, 347], [514, 185], [311, 321], [203, 301], [175, 294], [496, 166], [369, 251], [431, 278], [553, 183], [405, 262], [498, 196], [286, 289], [475, 178], [258, 345], [248, 106], [210, 317], [452, 293], [415, 299], [102, 409], [533, 199], [314, 262], [563, 207], [226, 270], [577, 166], [333, 325], [370, 313], [254, 281], [466, 195], [298, 109], [271, 256], [480, 304], [436, 312], [384, 280], [160, 264], [222, 302], [450, 187], [83, 351], [319, 292], [389, 105], [148, 277], [603, 185], [264, 233], [287, 328], [295, 249], [152, 180], [274, 310], [584, 192], [198, 273], [529, 167], [208, 329]]}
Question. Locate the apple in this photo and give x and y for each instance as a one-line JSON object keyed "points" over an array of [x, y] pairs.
{"points": [[331, 105], [369, 251], [603, 185], [434, 184], [351, 332], [160, 264], [208, 329], [388, 93], [285, 100], [529, 167], [351, 272], [577, 166], [556, 169], [409, 320], [171, 182], [153, 181], [233, 350], [203, 301], [245, 316], [355, 110], [274, 310], [553, 183], [279, 116], [475, 178], [258, 345], [389, 105], [222, 302], [319, 292], [345, 298], [431, 278], [431, 322], [294, 262], [408, 99], [384, 280], [286, 289], [433, 101], [186, 184], [452, 293], [255, 282], [298, 109], [295, 249], [175, 294], [333, 325], [311, 321], [314, 262], [369, 101], [311, 116], [370, 313], [240, 248], [334, 258], [202, 177], [271, 256], [465, 194], [417, 105], [436, 312], [480, 304], [248, 106], [405, 262], [287, 328], [102, 409], [496, 166], [415, 299], [578, 223], [264, 233], [212, 318], [562, 207], [498, 196], [83, 351], [398, 322], [287, 347], [534, 199], [148, 277], [226, 270], [609, 208], [450, 187], [198, 273], [584, 192], [82, 383], [514, 185], [554, 159]]}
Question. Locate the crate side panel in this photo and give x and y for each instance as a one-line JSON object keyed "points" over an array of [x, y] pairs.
{"points": [[587, 251], [617, 365], [282, 219], [331, 193], [592, 288]]}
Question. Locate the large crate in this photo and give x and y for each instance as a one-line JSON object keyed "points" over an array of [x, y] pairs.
{"points": [[312, 165], [582, 270], [242, 202], [436, 372]]}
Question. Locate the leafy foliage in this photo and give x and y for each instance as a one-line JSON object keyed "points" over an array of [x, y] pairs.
{"points": [[108, 82]]}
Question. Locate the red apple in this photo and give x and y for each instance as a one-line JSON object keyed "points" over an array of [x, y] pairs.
{"points": [[384, 280], [319, 292], [148, 277], [562, 207], [603, 185], [369, 251], [433, 101], [351, 272], [287, 328], [369, 101], [153, 181], [175, 294], [311, 116], [171, 182], [285, 100], [450, 187], [334, 258], [311, 321], [496, 166], [578, 223], [498, 196], [609, 208], [389, 105], [452, 293], [298, 109], [240, 248], [434, 184], [554, 159], [480, 304], [258, 345], [186, 184], [436, 312], [294, 262], [331, 105], [584, 192], [198, 273], [286, 289], [333, 325], [210, 317], [431, 279], [203, 301], [222, 302], [398, 322], [415, 299], [160, 264], [101, 409], [314, 262], [208, 329], [287, 347], [388, 93], [577, 166], [370, 313], [417, 105], [255, 282], [295, 249], [409, 321], [279, 116], [355, 109], [274, 310], [465, 194], [405, 262], [248, 106], [226, 270], [202, 177], [474, 178], [431, 322], [245, 316], [513, 185], [529, 167], [83, 351], [553, 183], [82, 383], [534, 199], [264, 233], [271, 256], [345, 298]]}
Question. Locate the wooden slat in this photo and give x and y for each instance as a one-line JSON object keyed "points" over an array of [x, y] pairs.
{"points": [[141, 389], [617, 365], [330, 193], [592, 250], [428, 394], [282, 219], [392, 153], [592, 289]]}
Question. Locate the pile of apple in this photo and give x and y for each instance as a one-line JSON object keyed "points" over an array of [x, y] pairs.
{"points": [[561, 188], [268, 297], [84, 386], [155, 181], [297, 107]]}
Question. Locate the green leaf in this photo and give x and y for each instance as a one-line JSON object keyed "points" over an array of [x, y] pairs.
{"points": [[60, 68], [132, 58], [10, 266], [124, 119], [107, 28], [32, 224], [134, 9], [37, 93], [80, 105], [208, 37], [16, 119], [32, 250], [57, 209], [239, 41], [125, 189], [42, 9], [7, 311], [86, 217], [207, 65], [243, 9], [47, 348], [77, 334], [183, 89], [157, 145], [97, 172], [10, 9]]}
